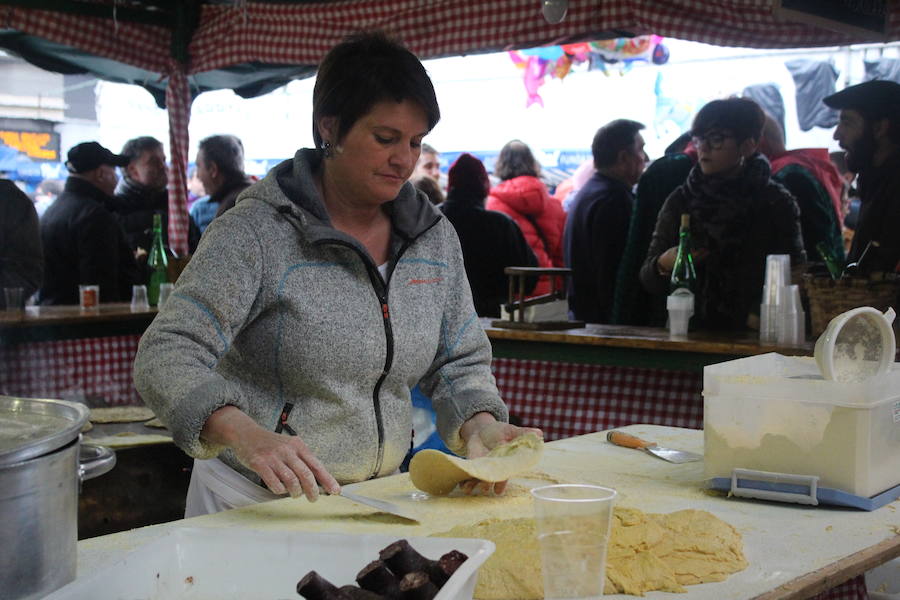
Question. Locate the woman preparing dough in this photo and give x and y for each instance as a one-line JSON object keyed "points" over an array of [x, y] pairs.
{"points": [[287, 352]]}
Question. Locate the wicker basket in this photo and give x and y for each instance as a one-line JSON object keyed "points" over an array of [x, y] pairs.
{"points": [[828, 298]]}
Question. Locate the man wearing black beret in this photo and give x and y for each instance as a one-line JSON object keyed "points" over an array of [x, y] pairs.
{"points": [[869, 131]]}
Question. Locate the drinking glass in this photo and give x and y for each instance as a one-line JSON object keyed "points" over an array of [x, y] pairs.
{"points": [[89, 296], [139, 298], [15, 299], [573, 523], [165, 290]]}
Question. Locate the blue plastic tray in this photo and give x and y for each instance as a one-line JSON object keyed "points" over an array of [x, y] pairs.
{"points": [[823, 495]]}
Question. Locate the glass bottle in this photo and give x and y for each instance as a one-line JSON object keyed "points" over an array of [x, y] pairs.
{"points": [[157, 261], [831, 261], [683, 274]]}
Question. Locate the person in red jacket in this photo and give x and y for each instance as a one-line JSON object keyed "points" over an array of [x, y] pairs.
{"points": [[524, 198]]}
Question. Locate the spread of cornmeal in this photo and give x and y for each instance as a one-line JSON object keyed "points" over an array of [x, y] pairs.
{"points": [[646, 552]]}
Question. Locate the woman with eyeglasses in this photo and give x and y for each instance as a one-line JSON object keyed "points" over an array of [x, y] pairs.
{"points": [[738, 217]]}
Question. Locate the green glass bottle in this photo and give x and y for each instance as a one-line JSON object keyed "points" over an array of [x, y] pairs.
{"points": [[683, 274], [832, 263], [157, 261]]}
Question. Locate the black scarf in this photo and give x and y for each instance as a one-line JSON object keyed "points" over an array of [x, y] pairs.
{"points": [[720, 209]]}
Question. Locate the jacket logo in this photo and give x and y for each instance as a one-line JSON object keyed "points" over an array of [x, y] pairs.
{"points": [[419, 281]]}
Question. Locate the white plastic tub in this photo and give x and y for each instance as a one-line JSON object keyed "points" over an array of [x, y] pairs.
{"points": [[776, 413], [246, 564]]}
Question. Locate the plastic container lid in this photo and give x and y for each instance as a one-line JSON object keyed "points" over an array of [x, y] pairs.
{"points": [[31, 427], [857, 345]]}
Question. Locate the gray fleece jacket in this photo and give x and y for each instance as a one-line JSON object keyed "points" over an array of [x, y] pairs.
{"points": [[288, 319]]}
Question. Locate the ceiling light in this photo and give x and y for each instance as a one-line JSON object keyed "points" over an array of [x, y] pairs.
{"points": [[554, 10]]}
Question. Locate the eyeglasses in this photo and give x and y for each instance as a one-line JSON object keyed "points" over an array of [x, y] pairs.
{"points": [[713, 141]]}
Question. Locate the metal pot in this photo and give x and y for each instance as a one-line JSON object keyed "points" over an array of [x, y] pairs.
{"points": [[42, 465]]}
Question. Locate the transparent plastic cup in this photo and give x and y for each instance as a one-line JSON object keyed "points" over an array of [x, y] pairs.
{"points": [[573, 523], [139, 298], [14, 297], [89, 296], [165, 290], [778, 275], [680, 305], [791, 318]]}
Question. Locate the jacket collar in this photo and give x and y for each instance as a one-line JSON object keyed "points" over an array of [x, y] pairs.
{"points": [[136, 195], [82, 188], [411, 213]]}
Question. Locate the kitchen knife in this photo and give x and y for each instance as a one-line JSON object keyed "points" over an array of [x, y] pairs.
{"points": [[382, 505], [625, 440]]}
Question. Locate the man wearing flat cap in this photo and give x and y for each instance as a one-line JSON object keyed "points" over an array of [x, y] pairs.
{"points": [[83, 242], [869, 131]]}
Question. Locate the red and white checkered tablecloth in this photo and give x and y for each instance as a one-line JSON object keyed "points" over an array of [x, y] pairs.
{"points": [[854, 589], [82, 369], [566, 399]]}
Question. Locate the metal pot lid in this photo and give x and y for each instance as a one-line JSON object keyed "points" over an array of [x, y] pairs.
{"points": [[31, 427]]}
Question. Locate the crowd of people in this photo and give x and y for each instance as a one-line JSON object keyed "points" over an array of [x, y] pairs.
{"points": [[608, 222], [96, 227], [616, 222]]}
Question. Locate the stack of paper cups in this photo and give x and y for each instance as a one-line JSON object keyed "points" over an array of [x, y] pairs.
{"points": [[791, 318], [778, 275]]}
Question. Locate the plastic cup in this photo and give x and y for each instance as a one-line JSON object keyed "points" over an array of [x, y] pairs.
{"points": [[165, 290], [680, 305], [139, 298], [89, 296], [791, 318], [778, 274], [15, 299], [573, 523]]}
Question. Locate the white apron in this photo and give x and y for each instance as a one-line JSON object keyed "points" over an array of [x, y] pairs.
{"points": [[216, 487]]}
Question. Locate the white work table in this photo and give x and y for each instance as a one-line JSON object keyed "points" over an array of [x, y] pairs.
{"points": [[794, 551]]}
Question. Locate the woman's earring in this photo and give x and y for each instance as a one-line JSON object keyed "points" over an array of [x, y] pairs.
{"points": [[327, 151]]}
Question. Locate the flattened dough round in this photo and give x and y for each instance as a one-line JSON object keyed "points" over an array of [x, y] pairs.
{"points": [[437, 473], [155, 423], [121, 414]]}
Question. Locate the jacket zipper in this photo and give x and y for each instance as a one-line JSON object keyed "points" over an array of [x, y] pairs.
{"points": [[381, 291]]}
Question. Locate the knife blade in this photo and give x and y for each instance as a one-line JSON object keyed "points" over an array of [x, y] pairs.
{"points": [[382, 505]]}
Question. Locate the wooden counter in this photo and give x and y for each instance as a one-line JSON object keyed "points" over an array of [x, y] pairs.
{"points": [[44, 323], [794, 551], [575, 381], [629, 345]]}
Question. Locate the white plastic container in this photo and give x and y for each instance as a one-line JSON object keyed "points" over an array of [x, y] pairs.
{"points": [[246, 564], [777, 413]]}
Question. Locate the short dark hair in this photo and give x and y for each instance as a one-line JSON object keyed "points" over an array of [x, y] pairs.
{"points": [[134, 147], [426, 149], [362, 71], [611, 139], [741, 116], [515, 160], [226, 151]]}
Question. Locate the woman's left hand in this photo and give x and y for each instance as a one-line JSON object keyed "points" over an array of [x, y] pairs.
{"points": [[482, 433]]}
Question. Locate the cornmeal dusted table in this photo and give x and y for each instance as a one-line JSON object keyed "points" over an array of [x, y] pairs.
{"points": [[794, 551]]}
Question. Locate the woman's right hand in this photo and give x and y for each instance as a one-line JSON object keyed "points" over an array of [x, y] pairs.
{"points": [[285, 463]]}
